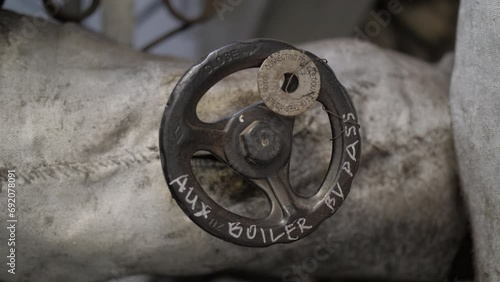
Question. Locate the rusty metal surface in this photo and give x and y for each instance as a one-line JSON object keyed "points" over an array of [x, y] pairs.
{"points": [[182, 134]]}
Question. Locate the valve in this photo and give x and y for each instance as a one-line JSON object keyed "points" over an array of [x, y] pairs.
{"points": [[258, 146]]}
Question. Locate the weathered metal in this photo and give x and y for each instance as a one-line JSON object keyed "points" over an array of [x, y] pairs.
{"points": [[260, 143], [182, 134], [277, 75]]}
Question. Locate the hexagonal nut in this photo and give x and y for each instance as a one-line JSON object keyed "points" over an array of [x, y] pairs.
{"points": [[259, 143]]}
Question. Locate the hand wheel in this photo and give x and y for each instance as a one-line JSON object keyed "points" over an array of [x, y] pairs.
{"points": [[256, 141]]}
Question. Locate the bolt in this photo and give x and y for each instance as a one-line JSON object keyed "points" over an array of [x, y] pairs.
{"points": [[259, 143]]}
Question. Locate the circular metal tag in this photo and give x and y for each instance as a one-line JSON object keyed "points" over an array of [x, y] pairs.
{"points": [[289, 82]]}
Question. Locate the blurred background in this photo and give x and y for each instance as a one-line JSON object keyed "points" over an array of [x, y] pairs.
{"points": [[189, 29]]}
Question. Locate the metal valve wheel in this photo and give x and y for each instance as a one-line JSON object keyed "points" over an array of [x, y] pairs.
{"points": [[256, 142]]}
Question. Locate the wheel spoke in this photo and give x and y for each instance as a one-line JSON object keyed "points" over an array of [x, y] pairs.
{"points": [[280, 193], [209, 137]]}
